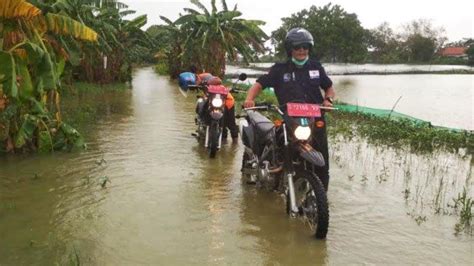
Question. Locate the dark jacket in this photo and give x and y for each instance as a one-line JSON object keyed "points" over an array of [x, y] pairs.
{"points": [[293, 84]]}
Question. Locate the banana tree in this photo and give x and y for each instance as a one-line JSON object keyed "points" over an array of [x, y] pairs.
{"points": [[220, 35], [121, 42], [32, 61]]}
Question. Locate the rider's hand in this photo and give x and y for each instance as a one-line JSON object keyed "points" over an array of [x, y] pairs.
{"points": [[249, 103], [327, 103]]}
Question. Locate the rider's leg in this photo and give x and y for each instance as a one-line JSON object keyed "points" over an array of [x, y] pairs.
{"points": [[321, 145]]}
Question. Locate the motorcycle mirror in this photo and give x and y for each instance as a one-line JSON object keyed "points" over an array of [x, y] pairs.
{"points": [[242, 76]]}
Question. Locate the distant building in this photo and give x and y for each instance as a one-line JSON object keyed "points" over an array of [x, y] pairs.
{"points": [[457, 51]]}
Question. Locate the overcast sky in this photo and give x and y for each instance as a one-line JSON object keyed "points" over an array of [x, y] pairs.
{"points": [[455, 16]]}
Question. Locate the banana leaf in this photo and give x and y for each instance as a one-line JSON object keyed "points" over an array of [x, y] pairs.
{"points": [[26, 131], [46, 72], [8, 71], [73, 140], [25, 89], [45, 142]]}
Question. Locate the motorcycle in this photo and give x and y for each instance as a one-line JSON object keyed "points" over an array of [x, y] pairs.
{"points": [[209, 115], [278, 156], [210, 108]]}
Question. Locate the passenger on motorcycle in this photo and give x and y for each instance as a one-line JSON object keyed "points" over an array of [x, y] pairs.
{"points": [[299, 79]]}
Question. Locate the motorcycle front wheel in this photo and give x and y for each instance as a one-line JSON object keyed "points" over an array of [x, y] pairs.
{"points": [[214, 132], [312, 203]]}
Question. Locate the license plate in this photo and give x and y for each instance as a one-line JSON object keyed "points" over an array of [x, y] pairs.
{"points": [[303, 110], [217, 89]]}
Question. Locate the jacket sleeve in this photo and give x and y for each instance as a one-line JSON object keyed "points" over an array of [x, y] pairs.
{"points": [[326, 82], [270, 79]]}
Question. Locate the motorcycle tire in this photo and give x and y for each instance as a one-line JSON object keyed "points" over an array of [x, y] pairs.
{"points": [[319, 219], [213, 140]]}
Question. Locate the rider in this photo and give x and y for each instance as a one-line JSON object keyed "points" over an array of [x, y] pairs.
{"points": [[299, 78]]}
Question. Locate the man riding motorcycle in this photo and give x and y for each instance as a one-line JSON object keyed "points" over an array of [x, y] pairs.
{"points": [[299, 79]]}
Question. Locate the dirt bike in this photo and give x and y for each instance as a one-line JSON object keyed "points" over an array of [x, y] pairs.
{"points": [[279, 157], [209, 116]]}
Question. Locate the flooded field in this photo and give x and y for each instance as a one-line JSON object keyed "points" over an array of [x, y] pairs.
{"points": [[145, 193]]}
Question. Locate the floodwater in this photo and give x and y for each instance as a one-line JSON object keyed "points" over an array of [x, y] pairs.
{"points": [[444, 100], [344, 69], [145, 193]]}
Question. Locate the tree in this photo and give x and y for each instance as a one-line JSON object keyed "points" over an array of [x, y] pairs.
{"points": [[470, 55], [211, 37], [421, 40], [338, 35], [384, 44], [32, 61], [121, 42]]}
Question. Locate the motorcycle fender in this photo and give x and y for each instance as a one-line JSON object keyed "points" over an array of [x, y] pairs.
{"points": [[311, 155]]}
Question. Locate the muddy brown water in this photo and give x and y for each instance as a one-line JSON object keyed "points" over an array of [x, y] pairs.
{"points": [[166, 203]]}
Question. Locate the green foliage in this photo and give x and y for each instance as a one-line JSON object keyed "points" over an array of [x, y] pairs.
{"points": [[32, 60], [399, 133], [443, 60], [416, 44], [391, 132], [338, 34], [206, 39], [465, 205], [470, 55], [162, 68], [121, 42]]}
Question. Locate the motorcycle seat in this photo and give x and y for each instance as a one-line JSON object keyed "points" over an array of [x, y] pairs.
{"points": [[262, 124]]}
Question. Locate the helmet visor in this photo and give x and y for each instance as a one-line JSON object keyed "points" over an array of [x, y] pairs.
{"points": [[304, 46]]}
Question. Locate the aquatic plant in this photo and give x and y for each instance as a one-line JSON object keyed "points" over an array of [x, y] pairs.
{"points": [[397, 133], [464, 204]]}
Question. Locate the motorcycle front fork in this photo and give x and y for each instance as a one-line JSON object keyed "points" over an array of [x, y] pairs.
{"points": [[207, 138], [291, 192]]}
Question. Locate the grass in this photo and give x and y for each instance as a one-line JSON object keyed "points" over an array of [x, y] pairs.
{"points": [[397, 133], [85, 102], [162, 69], [464, 205]]}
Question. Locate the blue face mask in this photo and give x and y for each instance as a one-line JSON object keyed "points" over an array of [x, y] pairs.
{"points": [[299, 62]]}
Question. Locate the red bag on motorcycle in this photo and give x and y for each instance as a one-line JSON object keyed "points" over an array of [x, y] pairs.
{"points": [[218, 89], [229, 100]]}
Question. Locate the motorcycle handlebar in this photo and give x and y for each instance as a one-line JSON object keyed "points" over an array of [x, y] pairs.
{"points": [[268, 106]]}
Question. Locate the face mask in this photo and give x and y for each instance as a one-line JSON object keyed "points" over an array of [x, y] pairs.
{"points": [[298, 62]]}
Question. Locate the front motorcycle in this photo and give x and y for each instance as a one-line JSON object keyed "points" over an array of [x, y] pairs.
{"points": [[209, 116], [279, 156]]}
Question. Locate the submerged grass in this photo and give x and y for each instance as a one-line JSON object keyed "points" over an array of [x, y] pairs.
{"points": [[464, 205], [399, 133], [86, 102]]}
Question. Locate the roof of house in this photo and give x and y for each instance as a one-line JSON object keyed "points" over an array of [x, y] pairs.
{"points": [[453, 51]]}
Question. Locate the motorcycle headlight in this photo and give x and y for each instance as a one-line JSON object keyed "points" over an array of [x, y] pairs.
{"points": [[302, 133], [217, 102]]}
